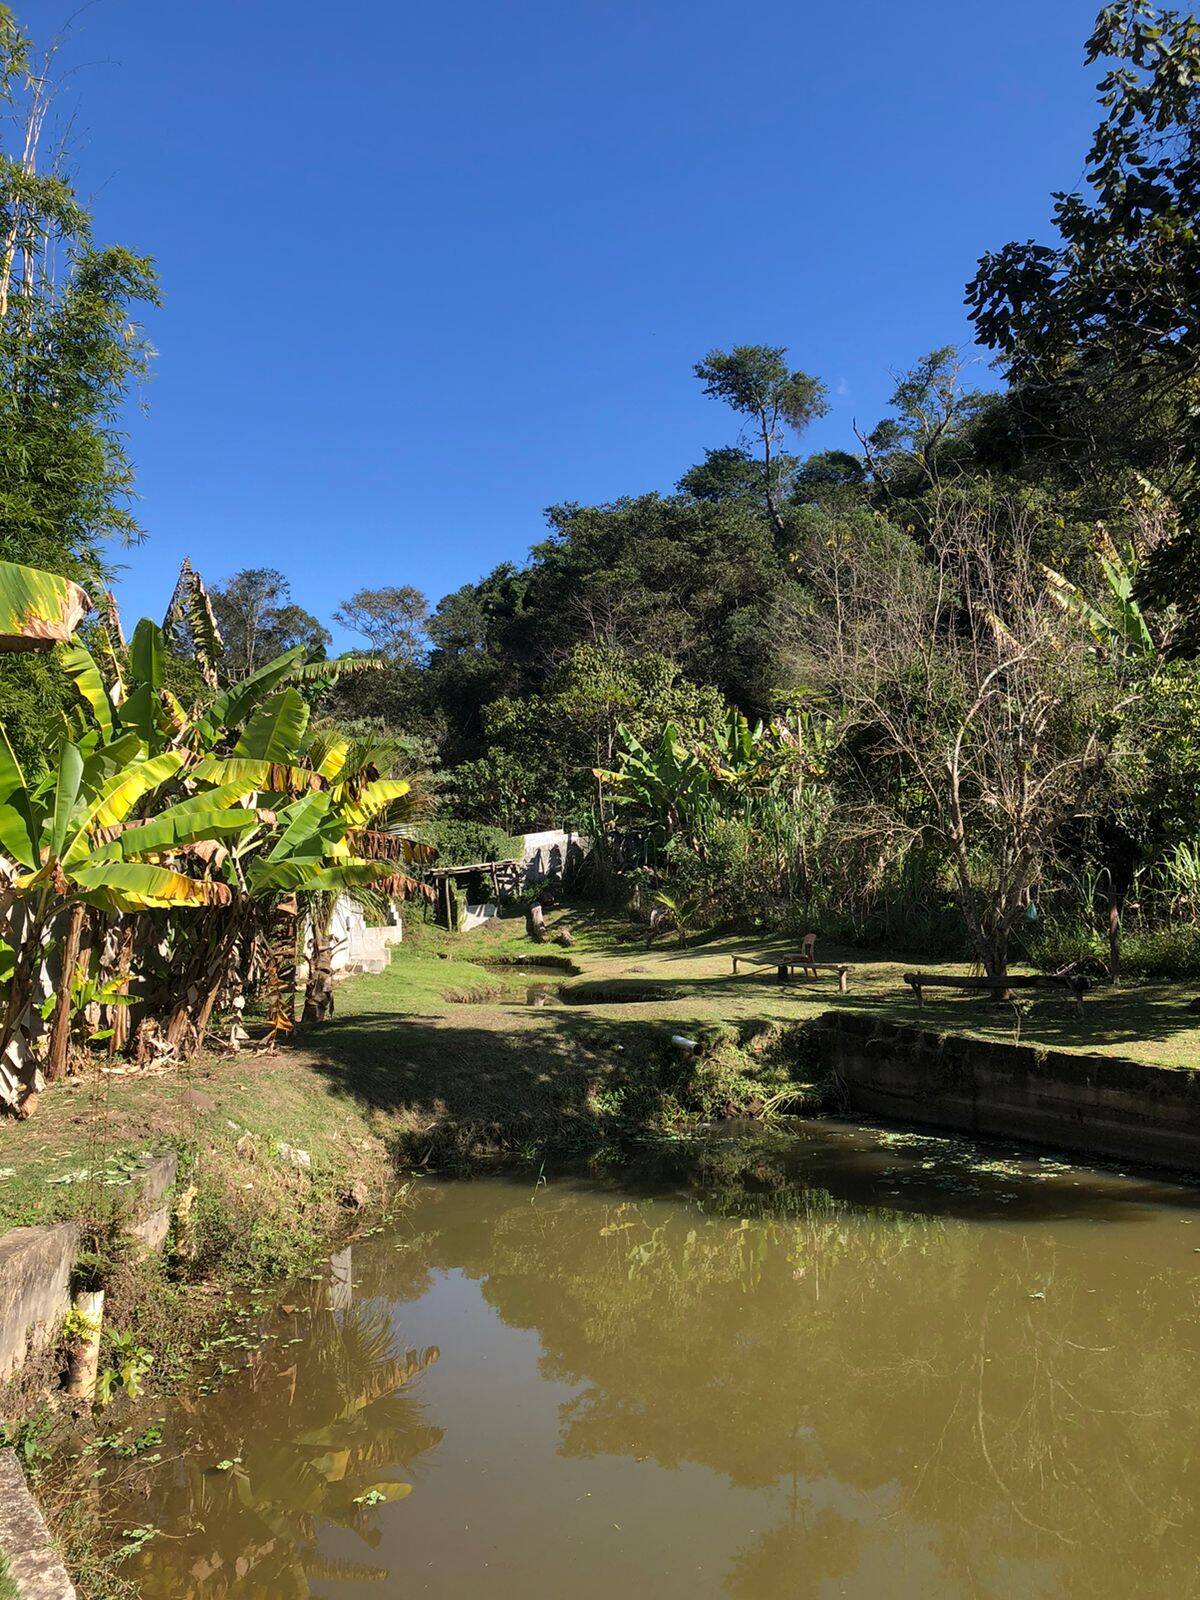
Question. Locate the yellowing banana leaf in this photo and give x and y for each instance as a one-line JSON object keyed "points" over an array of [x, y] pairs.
{"points": [[327, 754], [296, 875], [373, 799], [201, 816], [138, 886], [264, 777], [117, 798], [38, 609]]}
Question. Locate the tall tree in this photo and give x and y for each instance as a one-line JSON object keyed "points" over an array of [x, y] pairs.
{"points": [[258, 619], [392, 620], [69, 355], [1100, 331], [932, 408], [755, 380]]}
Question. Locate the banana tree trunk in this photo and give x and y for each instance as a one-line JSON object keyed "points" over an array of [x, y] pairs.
{"points": [[60, 1029], [281, 963], [200, 984], [118, 1015], [24, 931], [318, 988]]}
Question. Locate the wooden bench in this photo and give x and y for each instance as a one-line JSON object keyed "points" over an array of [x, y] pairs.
{"points": [[785, 966], [1071, 984]]}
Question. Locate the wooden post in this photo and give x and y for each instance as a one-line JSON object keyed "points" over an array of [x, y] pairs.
{"points": [[735, 966], [782, 969], [843, 980]]}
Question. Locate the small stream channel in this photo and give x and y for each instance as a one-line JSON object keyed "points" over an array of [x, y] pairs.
{"points": [[831, 1361]]}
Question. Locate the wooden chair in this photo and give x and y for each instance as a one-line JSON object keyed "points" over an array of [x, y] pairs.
{"points": [[808, 952]]}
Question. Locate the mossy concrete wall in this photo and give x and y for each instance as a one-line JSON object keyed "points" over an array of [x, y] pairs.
{"points": [[35, 1265], [33, 1562], [1096, 1105]]}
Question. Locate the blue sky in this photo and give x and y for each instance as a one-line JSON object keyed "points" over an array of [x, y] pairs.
{"points": [[428, 269]]}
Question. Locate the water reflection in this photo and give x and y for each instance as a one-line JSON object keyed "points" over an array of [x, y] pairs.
{"points": [[310, 1436], [725, 1371]]}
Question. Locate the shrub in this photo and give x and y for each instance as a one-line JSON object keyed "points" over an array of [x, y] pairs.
{"points": [[461, 844], [1172, 951]]}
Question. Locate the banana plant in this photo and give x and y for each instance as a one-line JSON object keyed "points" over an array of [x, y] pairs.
{"points": [[66, 847], [667, 782], [1114, 618]]}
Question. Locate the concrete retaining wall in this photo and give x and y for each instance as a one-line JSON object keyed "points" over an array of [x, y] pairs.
{"points": [[548, 854], [33, 1561], [35, 1265], [35, 1269], [153, 1207], [1095, 1105]]}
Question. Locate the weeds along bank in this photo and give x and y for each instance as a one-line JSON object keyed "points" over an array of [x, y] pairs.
{"points": [[273, 1168]]}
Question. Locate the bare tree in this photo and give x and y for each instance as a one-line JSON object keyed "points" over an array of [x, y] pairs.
{"points": [[965, 676]]}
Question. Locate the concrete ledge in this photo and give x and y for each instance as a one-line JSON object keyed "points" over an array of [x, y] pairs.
{"points": [[33, 1561], [35, 1264], [153, 1206], [1097, 1105], [35, 1271]]}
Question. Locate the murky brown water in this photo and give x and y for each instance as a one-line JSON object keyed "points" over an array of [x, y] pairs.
{"points": [[836, 1364]]}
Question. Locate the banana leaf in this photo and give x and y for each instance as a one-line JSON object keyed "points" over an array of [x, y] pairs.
{"points": [[276, 730], [139, 886], [38, 609]]}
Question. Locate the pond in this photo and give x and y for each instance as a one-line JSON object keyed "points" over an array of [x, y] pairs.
{"points": [[834, 1361]]}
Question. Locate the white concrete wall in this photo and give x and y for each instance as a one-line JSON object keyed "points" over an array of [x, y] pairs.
{"points": [[546, 854]]}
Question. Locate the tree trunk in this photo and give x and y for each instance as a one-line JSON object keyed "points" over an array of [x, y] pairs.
{"points": [[1114, 936], [318, 989], [60, 1030], [200, 983]]}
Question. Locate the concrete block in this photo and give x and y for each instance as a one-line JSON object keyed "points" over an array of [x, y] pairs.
{"points": [[35, 1271], [152, 1208], [34, 1563]]}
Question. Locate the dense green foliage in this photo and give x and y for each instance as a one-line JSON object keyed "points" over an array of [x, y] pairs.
{"points": [[70, 352]]}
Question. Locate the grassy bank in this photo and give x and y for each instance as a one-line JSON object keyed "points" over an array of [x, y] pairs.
{"points": [[487, 1042]]}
